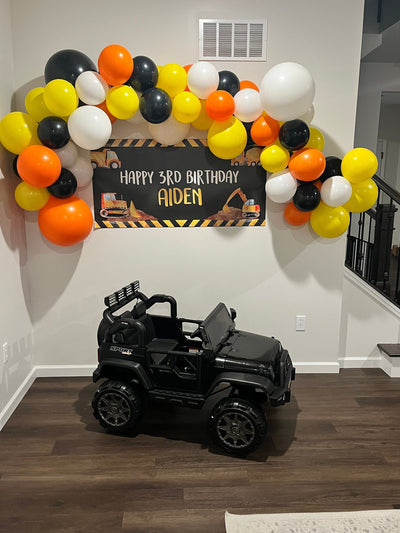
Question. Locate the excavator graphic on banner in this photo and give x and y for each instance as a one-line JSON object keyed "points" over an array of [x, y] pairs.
{"points": [[249, 208]]}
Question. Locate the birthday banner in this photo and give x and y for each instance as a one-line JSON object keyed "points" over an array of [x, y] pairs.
{"points": [[139, 183]]}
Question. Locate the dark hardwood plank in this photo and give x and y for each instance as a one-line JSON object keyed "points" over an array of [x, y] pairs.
{"points": [[335, 447]]}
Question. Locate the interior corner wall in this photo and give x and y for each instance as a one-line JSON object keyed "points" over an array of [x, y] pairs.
{"points": [[15, 323], [269, 274], [375, 78]]}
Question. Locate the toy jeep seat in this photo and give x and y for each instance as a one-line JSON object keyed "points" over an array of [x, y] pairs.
{"points": [[139, 313], [130, 334]]}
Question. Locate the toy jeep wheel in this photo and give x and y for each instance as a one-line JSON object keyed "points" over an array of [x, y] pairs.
{"points": [[117, 406], [237, 425]]}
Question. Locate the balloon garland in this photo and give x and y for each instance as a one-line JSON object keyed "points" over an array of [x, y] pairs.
{"points": [[73, 114]]}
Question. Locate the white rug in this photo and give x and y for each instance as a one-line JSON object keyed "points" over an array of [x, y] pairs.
{"points": [[350, 522]]}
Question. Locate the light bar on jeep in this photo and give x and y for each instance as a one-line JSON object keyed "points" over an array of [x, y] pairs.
{"points": [[123, 296]]}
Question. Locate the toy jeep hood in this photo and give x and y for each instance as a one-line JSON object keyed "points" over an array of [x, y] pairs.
{"points": [[220, 333]]}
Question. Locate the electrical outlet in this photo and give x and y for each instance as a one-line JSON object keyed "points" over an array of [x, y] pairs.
{"points": [[300, 322], [5, 352]]}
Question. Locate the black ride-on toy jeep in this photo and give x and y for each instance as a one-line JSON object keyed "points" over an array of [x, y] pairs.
{"points": [[147, 355]]}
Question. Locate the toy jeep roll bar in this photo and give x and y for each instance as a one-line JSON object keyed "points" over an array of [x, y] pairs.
{"points": [[119, 299]]}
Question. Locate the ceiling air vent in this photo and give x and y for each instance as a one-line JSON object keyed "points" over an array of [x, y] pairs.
{"points": [[232, 40]]}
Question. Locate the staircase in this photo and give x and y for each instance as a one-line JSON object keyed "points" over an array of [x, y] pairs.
{"points": [[373, 255], [373, 245]]}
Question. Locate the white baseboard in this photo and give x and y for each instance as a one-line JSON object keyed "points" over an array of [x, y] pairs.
{"points": [[361, 362], [65, 371], [16, 398], [317, 368]]}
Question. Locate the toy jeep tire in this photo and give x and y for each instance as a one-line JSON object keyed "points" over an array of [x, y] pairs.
{"points": [[118, 406], [237, 425]]}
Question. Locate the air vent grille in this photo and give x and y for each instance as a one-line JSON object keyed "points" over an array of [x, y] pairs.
{"points": [[233, 40]]}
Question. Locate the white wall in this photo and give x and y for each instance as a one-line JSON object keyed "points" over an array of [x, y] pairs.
{"points": [[15, 324], [367, 320], [268, 274], [375, 78]]}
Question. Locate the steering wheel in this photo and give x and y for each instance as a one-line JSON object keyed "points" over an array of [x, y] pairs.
{"points": [[196, 333]]}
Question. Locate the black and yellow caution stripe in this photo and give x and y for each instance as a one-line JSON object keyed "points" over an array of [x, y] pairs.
{"points": [[195, 223], [151, 143]]}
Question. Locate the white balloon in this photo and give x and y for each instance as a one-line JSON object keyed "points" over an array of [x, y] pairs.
{"points": [[82, 170], [202, 79], [89, 127], [91, 88], [287, 91], [67, 154], [308, 115], [169, 132], [248, 105], [336, 191], [281, 186]]}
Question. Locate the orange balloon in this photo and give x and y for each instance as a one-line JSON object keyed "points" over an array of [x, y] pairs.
{"points": [[294, 216], [103, 107], [265, 130], [65, 221], [220, 105], [187, 67], [307, 164], [247, 84], [115, 64], [38, 165]]}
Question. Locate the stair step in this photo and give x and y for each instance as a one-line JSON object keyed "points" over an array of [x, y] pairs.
{"points": [[393, 350]]}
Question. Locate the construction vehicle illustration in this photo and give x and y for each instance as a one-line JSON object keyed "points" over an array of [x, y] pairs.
{"points": [[111, 207], [250, 158], [106, 158], [249, 209]]}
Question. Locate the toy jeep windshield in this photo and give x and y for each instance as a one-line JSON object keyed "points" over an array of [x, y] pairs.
{"points": [[145, 355]]}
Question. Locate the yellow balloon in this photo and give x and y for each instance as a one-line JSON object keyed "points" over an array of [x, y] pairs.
{"points": [[316, 139], [17, 131], [274, 158], [203, 121], [34, 104], [363, 197], [60, 97], [186, 107], [172, 79], [122, 101], [359, 164], [31, 198], [329, 222], [227, 139]]}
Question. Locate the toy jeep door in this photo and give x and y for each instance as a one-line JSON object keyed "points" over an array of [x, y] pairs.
{"points": [[171, 368]]}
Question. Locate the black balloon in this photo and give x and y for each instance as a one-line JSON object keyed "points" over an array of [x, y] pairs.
{"points": [[294, 134], [155, 105], [144, 75], [332, 168], [67, 65], [250, 141], [228, 81], [307, 197], [53, 132], [65, 185], [14, 164]]}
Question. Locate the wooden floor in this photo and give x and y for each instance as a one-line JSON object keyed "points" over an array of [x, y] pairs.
{"points": [[335, 447]]}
